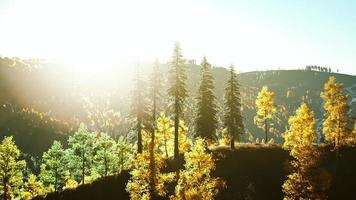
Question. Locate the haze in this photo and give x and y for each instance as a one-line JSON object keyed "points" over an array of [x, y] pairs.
{"points": [[253, 35]]}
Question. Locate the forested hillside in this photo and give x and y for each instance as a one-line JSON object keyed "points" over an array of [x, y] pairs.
{"points": [[42, 101]]}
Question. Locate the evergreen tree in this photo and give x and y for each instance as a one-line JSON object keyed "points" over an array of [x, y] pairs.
{"points": [[206, 121], [265, 109], [335, 117], [53, 166], [139, 109], [232, 116], [177, 91], [155, 85], [81, 144], [105, 155], [124, 156], [10, 169]]}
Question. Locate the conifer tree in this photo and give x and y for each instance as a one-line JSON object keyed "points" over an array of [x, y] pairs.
{"points": [[124, 155], [81, 144], [177, 91], [155, 86], [206, 121], [10, 168], [335, 117], [139, 109], [265, 109], [303, 182], [195, 181], [140, 186], [53, 169], [232, 112], [301, 134], [105, 155]]}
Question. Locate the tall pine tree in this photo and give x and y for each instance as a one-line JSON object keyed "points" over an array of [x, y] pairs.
{"points": [[139, 109], [155, 86], [206, 121], [105, 155], [53, 166], [82, 151], [232, 113], [177, 90]]}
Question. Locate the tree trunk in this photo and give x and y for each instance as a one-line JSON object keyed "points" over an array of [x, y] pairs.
{"points": [[105, 165], [139, 136], [83, 167], [152, 167], [5, 188], [55, 181], [266, 131], [232, 143], [176, 127], [152, 156]]}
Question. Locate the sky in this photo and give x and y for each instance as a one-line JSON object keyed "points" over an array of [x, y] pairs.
{"points": [[252, 35]]}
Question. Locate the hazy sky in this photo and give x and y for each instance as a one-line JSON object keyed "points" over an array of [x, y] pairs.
{"points": [[251, 34]]}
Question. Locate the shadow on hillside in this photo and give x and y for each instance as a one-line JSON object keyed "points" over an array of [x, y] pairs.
{"points": [[250, 171]]}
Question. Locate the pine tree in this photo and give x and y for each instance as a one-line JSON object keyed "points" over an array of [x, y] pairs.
{"points": [[81, 144], [265, 109], [139, 109], [53, 169], [105, 155], [335, 117], [206, 121], [232, 115], [10, 168], [195, 181], [124, 155], [301, 134], [140, 186], [32, 188], [307, 181], [177, 91], [155, 86]]}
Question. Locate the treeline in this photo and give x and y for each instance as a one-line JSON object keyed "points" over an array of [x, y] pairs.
{"points": [[318, 68]]}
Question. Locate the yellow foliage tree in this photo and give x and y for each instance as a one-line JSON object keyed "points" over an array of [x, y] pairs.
{"points": [[70, 184], [141, 183], [195, 181], [165, 131], [303, 182], [10, 169], [224, 138], [32, 187], [301, 134], [265, 109], [335, 117]]}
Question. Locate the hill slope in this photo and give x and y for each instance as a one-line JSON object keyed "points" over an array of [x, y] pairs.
{"points": [[252, 172], [58, 96]]}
